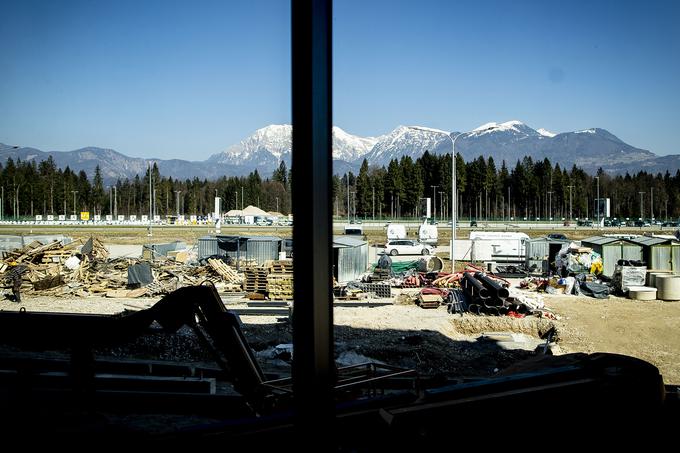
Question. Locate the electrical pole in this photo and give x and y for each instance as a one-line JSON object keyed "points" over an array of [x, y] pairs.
{"points": [[652, 205], [373, 187], [115, 202], [550, 205], [177, 192]]}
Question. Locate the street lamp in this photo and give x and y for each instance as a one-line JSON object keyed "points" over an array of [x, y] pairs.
{"points": [[74, 201], [597, 202], [642, 212], [434, 203], [454, 207]]}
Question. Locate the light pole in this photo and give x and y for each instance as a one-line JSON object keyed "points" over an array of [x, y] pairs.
{"points": [[642, 212], [571, 217], [597, 201], [651, 206], [354, 200], [150, 200], [177, 192], [74, 201], [373, 188], [550, 206], [434, 203], [115, 203], [454, 207]]}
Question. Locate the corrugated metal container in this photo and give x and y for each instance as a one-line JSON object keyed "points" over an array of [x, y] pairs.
{"points": [[257, 248], [661, 254], [540, 252], [207, 246], [612, 249], [537, 249], [262, 248], [350, 258]]}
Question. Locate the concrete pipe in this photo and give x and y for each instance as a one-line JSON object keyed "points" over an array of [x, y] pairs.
{"points": [[430, 264], [641, 293], [654, 275], [668, 287]]}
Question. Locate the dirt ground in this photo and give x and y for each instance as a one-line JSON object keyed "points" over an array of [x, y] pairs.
{"points": [[436, 342], [644, 329]]}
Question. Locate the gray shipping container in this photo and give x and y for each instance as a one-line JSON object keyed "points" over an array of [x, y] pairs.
{"points": [[661, 254], [350, 258], [257, 248], [612, 249], [541, 252]]}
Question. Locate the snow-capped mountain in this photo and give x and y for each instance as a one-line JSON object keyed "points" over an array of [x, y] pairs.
{"points": [[350, 147], [408, 141], [589, 149], [264, 148], [270, 145], [512, 140]]}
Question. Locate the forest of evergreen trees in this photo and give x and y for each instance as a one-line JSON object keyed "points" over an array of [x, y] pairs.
{"points": [[485, 190]]}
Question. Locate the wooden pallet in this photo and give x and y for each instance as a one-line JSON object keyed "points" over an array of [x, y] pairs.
{"points": [[226, 272]]}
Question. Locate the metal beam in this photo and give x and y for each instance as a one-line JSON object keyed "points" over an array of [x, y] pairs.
{"points": [[313, 363]]}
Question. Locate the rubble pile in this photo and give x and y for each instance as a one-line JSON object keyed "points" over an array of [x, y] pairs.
{"points": [[83, 268]]}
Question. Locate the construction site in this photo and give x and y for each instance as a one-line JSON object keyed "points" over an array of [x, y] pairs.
{"points": [[212, 321], [329, 302]]}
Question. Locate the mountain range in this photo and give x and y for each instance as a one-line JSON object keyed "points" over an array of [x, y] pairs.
{"points": [[589, 149]]}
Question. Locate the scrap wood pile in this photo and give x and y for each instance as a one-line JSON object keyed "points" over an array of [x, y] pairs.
{"points": [[83, 268]]}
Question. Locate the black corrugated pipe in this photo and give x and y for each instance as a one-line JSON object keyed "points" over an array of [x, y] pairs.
{"points": [[492, 285], [479, 290]]}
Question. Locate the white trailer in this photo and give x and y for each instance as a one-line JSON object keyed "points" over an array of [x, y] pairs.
{"points": [[501, 247]]}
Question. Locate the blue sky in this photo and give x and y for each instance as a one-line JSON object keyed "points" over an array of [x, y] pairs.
{"points": [[175, 79]]}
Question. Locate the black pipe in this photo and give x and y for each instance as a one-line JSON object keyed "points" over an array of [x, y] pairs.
{"points": [[492, 285], [479, 290]]}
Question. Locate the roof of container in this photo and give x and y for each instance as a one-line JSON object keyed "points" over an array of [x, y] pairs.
{"points": [[544, 239], [347, 241], [228, 237], [648, 241], [604, 240]]}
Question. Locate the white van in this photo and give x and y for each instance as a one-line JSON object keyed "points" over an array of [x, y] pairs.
{"points": [[354, 229], [395, 232], [503, 247], [428, 234]]}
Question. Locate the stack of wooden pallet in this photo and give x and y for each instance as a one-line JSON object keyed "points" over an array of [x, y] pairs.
{"points": [[255, 279], [234, 280], [280, 281]]}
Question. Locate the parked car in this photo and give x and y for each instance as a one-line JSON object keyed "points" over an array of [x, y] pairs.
{"points": [[671, 224], [585, 223], [559, 236], [407, 247]]}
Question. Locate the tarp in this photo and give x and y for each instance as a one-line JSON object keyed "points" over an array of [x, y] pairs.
{"points": [[140, 274]]}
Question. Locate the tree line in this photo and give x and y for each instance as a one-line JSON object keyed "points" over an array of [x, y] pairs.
{"points": [[485, 190]]}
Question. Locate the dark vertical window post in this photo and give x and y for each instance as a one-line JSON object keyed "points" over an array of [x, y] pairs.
{"points": [[313, 363]]}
